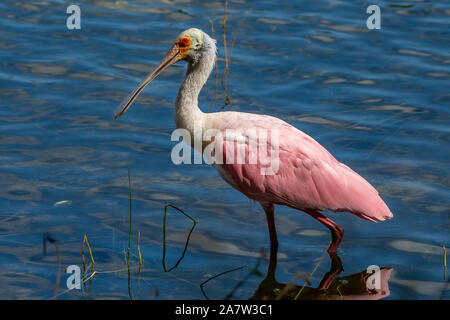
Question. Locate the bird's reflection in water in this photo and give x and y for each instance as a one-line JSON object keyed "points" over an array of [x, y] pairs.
{"points": [[331, 287], [357, 286]]}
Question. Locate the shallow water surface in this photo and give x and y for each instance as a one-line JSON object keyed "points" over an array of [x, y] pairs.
{"points": [[377, 100]]}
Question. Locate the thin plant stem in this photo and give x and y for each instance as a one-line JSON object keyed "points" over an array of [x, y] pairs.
{"points": [[164, 236], [224, 78], [216, 276], [129, 233], [217, 70], [129, 238], [139, 252], [85, 241], [314, 270], [445, 262]]}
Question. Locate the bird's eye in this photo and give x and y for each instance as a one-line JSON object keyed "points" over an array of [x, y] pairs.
{"points": [[183, 42]]}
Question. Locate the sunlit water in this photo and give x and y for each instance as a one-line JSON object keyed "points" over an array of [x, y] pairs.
{"points": [[378, 100]]}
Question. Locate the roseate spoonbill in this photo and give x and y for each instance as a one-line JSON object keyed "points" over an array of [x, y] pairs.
{"points": [[309, 178]]}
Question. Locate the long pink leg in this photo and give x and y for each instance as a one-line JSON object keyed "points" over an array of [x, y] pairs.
{"points": [[337, 232], [269, 209]]}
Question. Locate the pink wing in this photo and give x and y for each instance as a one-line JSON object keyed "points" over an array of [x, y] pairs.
{"points": [[307, 175]]}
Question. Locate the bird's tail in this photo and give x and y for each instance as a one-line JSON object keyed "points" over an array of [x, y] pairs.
{"points": [[364, 198]]}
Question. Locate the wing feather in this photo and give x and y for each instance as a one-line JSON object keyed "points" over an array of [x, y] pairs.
{"points": [[308, 176]]}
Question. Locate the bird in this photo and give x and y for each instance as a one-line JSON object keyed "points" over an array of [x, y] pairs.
{"points": [[307, 178]]}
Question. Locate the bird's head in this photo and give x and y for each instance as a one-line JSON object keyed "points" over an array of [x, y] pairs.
{"points": [[190, 46]]}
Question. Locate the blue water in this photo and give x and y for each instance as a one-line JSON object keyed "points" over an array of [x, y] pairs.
{"points": [[378, 100]]}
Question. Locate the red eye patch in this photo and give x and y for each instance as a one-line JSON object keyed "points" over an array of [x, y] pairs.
{"points": [[184, 42]]}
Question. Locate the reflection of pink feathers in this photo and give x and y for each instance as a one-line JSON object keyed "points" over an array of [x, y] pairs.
{"points": [[307, 176], [357, 290]]}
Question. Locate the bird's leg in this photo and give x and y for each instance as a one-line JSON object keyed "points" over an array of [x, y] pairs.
{"points": [[269, 209], [337, 232], [336, 268]]}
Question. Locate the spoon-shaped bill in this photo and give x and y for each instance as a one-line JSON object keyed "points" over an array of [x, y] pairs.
{"points": [[172, 56]]}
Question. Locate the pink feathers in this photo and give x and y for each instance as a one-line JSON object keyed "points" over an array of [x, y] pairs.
{"points": [[308, 176]]}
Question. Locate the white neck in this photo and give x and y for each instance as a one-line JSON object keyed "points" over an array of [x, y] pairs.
{"points": [[187, 112]]}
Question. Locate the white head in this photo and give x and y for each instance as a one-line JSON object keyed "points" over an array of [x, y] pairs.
{"points": [[192, 45]]}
